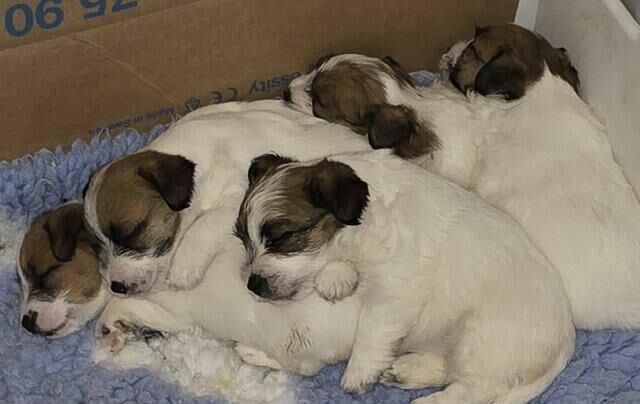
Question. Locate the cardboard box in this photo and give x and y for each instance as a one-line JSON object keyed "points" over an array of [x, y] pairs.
{"points": [[71, 67]]}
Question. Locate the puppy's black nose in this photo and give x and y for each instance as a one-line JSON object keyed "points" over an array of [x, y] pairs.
{"points": [[118, 287], [286, 95], [259, 285], [29, 321]]}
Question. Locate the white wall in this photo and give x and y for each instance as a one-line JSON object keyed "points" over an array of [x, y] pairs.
{"points": [[603, 41], [526, 14]]}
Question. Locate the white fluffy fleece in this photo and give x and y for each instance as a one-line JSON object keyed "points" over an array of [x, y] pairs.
{"points": [[11, 235], [202, 366]]}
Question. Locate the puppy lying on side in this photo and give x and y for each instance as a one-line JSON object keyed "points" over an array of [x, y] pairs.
{"points": [[449, 282], [532, 148], [61, 282]]}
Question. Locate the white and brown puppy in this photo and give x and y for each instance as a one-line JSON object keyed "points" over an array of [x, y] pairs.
{"points": [[551, 167], [435, 127], [532, 148], [183, 189], [61, 282], [446, 280]]}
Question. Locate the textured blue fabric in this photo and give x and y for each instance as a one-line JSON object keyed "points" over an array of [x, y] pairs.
{"points": [[606, 365]]}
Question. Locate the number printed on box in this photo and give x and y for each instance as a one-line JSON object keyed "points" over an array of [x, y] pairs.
{"points": [[21, 18]]}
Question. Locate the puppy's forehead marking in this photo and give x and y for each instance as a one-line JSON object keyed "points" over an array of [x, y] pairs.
{"points": [[281, 203], [45, 278]]}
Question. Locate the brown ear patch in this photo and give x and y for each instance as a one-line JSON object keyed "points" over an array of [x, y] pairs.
{"points": [[63, 226], [398, 127], [336, 187], [171, 176], [506, 59]]}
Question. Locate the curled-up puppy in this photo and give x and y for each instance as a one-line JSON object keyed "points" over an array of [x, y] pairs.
{"points": [[522, 139], [447, 282], [59, 271]]}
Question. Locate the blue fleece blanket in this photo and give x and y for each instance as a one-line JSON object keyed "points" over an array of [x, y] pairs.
{"points": [[605, 367]]}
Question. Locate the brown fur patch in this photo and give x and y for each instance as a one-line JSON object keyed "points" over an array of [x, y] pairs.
{"points": [[351, 94], [49, 277], [506, 59], [398, 127], [346, 93], [314, 203], [132, 212]]}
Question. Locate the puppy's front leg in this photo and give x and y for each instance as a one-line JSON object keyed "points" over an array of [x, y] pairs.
{"points": [[198, 248], [373, 352], [123, 316]]}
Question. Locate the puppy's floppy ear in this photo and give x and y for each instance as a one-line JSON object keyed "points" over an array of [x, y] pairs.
{"points": [[565, 69], [388, 125], [337, 188], [172, 177], [503, 76], [261, 164], [63, 227]]}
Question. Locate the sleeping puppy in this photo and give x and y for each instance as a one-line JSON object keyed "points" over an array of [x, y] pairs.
{"points": [[178, 190], [61, 282], [451, 284], [434, 127], [551, 167], [532, 148]]}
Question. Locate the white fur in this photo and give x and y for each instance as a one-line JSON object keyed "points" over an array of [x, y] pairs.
{"points": [[551, 167], [441, 273], [302, 336]]}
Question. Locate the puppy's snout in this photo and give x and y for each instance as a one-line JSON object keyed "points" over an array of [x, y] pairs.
{"points": [[259, 285], [29, 321], [119, 287], [286, 95]]}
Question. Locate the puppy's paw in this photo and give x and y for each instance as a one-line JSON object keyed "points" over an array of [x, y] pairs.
{"points": [[356, 382], [181, 278], [255, 357], [115, 335], [415, 371], [337, 280]]}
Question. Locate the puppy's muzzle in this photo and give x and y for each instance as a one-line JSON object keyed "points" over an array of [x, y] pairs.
{"points": [[259, 286]]}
